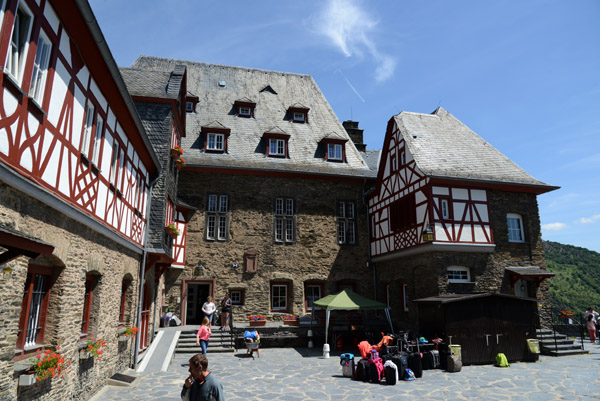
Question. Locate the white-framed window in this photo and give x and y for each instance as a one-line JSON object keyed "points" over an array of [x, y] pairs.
{"points": [[120, 170], [459, 274], [40, 68], [346, 219], [215, 141], [87, 129], [402, 157], [217, 209], [299, 117], [276, 147], [279, 297], [312, 292], [138, 188], [394, 163], [19, 42], [405, 296], [245, 111], [334, 151], [97, 140], [444, 208], [237, 297], [285, 220], [515, 228], [189, 107]]}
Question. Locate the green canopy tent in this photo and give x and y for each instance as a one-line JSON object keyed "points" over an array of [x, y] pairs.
{"points": [[348, 300]]}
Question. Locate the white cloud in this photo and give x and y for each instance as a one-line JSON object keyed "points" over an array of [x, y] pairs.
{"points": [[588, 220], [348, 26], [553, 226]]}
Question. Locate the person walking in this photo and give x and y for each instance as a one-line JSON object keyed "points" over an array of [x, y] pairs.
{"points": [[201, 385], [203, 335], [209, 309], [225, 310], [591, 317]]}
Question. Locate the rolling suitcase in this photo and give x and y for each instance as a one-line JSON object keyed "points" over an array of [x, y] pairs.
{"points": [[391, 373], [415, 364], [401, 361], [363, 371], [454, 364], [376, 370], [348, 365]]}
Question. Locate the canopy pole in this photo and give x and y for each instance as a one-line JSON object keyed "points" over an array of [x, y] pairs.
{"points": [[387, 313], [326, 345]]}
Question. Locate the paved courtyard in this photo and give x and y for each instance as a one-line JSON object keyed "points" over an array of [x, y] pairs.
{"points": [[302, 374]]}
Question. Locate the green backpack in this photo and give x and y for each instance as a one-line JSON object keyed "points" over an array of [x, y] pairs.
{"points": [[501, 361]]}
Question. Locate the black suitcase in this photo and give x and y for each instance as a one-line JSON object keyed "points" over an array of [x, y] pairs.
{"points": [[390, 375], [374, 374], [415, 364], [431, 360], [363, 373], [401, 362]]}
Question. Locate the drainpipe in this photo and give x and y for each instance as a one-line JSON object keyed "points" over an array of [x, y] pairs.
{"points": [[369, 261], [143, 276]]}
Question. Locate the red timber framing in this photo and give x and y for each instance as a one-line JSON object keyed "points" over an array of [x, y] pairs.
{"points": [[76, 141], [145, 322], [180, 242]]}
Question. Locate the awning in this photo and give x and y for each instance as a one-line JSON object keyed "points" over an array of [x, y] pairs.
{"points": [[17, 244], [528, 272]]}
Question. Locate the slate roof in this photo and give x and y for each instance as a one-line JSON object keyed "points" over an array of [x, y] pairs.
{"points": [[442, 146], [245, 144], [529, 271], [158, 84]]}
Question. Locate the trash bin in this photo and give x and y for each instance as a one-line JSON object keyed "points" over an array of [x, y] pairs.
{"points": [[456, 350], [533, 350]]}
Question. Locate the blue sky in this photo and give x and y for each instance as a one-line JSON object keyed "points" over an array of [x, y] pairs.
{"points": [[524, 75]]}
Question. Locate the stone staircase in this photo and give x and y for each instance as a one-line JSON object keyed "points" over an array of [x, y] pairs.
{"points": [[220, 341], [558, 344]]}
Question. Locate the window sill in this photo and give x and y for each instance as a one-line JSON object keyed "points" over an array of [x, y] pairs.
{"points": [[14, 84], [38, 110], [461, 282]]}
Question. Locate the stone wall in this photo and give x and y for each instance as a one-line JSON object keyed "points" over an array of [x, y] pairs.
{"points": [[315, 256], [425, 274], [78, 251]]}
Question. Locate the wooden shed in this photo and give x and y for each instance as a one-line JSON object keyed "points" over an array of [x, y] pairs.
{"points": [[482, 324]]}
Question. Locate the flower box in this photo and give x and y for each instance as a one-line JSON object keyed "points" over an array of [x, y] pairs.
{"points": [[291, 322], [171, 230], [27, 379], [179, 163], [257, 323], [176, 152]]}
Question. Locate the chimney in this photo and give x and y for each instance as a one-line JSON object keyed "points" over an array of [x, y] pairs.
{"points": [[356, 134]]}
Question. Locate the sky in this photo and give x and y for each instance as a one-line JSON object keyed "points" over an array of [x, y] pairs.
{"points": [[524, 75]]}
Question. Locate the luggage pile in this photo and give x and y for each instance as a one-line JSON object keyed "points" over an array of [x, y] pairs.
{"points": [[398, 359]]}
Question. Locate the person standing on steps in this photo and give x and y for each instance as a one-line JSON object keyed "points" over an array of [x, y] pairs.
{"points": [[225, 310], [203, 335], [209, 309], [201, 385]]}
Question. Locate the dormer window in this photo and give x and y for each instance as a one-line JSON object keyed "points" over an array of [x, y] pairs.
{"points": [[335, 148], [299, 117], [215, 141], [190, 103], [334, 152], [298, 113], [244, 108], [215, 137], [277, 142]]}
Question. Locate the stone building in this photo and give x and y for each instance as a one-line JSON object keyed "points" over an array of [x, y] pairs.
{"points": [[278, 186], [75, 173], [451, 214]]}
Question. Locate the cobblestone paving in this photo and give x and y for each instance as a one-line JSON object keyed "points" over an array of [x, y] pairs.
{"points": [[302, 374]]}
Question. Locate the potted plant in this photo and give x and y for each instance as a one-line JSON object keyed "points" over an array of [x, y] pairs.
{"points": [[94, 348], [291, 320], [566, 314], [45, 366], [172, 230], [176, 152], [180, 163], [129, 332], [257, 320]]}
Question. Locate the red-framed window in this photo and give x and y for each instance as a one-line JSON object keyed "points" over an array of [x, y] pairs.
{"points": [[90, 285], [280, 293], [403, 213], [277, 144], [215, 139], [299, 114], [335, 150], [34, 307], [170, 211], [312, 292], [244, 109]]}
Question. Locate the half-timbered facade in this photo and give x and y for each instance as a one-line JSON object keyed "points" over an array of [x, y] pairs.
{"points": [[75, 173], [278, 186], [451, 214]]}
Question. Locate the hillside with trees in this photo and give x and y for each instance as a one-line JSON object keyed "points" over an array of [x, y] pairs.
{"points": [[576, 285]]}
